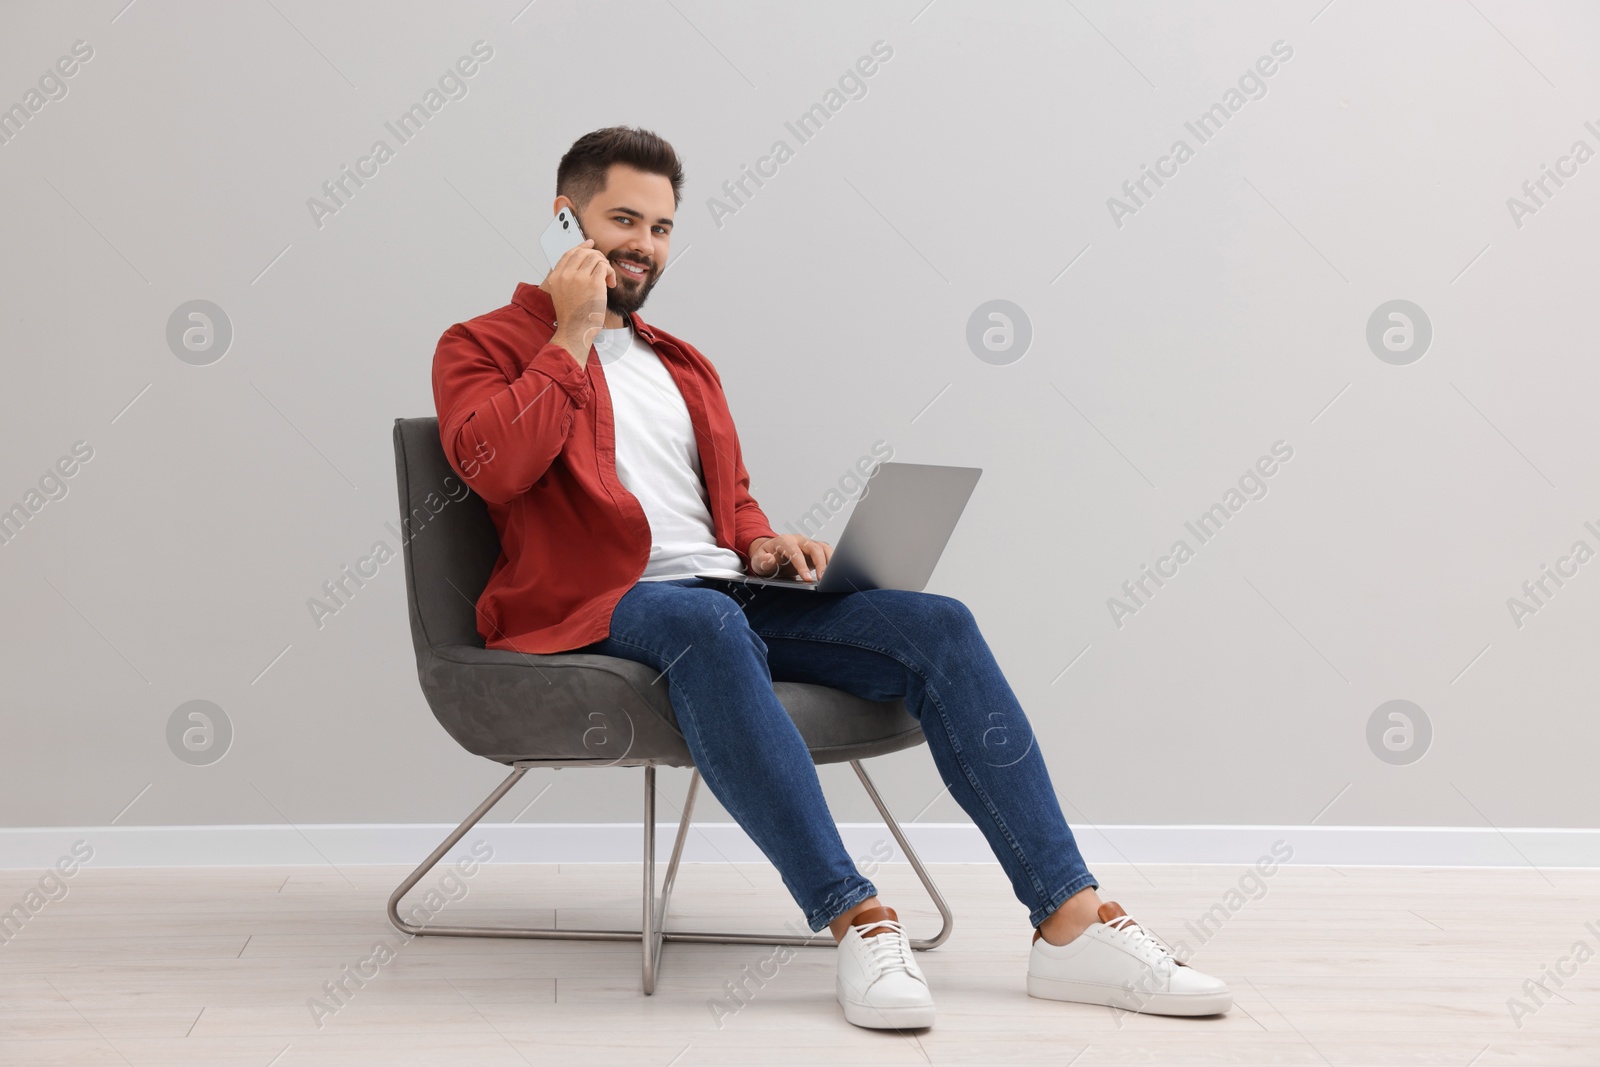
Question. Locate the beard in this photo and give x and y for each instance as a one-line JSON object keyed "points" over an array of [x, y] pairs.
{"points": [[630, 292]]}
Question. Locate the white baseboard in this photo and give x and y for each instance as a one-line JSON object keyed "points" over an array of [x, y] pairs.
{"points": [[356, 844]]}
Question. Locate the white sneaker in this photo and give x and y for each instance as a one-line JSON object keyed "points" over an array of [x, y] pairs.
{"points": [[1116, 963], [879, 984]]}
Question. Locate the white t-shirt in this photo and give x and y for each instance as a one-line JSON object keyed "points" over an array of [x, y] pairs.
{"points": [[659, 462]]}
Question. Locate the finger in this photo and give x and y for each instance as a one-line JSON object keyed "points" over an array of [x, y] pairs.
{"points": [[572, 255], [819, 558], [798, 558], [610, 271], [570, 265], [595, 268]]}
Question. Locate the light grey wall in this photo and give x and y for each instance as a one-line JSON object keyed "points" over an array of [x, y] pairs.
{"points": [[1171, 347]]}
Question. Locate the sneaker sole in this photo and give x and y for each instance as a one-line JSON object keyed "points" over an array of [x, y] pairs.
{"points": [[1153, 1004], [911, 1017]]}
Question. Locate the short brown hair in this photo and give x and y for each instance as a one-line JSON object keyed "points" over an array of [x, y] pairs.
{"points": [[582, 172]]}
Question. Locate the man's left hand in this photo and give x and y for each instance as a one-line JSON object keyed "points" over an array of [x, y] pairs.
{"points": [[787, 555]]}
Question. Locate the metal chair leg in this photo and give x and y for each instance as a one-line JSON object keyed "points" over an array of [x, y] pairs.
{"points": [[457, 930], [653, 933], [677, 845], [947, 919], [889, 820], [672, 875], [649, 939]]}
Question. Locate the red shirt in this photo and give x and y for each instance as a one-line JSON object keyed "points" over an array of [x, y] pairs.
{"points": [[532, 433]]}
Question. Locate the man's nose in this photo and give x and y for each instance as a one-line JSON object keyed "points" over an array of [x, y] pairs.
{"points": [[642, 244]]}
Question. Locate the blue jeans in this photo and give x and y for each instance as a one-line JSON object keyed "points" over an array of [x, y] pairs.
{"points": [[721, 646]]}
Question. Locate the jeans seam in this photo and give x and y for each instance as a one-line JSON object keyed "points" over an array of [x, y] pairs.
{"points": [[1061, 896], [693, 722], [955, 745], [866, 888], [982, 795]]}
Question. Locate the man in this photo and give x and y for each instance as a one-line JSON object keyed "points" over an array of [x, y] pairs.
{"points": [[616, 479]]}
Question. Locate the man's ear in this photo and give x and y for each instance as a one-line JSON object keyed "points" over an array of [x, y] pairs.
{"points": [[566, 202]]}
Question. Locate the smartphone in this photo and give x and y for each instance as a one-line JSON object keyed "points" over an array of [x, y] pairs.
{"points": [[563, 233]]}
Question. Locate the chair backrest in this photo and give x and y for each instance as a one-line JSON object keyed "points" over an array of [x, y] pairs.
{"points": [[450, 543]]}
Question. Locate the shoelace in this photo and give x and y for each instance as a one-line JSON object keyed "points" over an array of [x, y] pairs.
{"points": [[1142, 938], [889, 950]]}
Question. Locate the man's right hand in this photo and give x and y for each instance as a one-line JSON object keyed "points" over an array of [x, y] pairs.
{"points": [[577, 286]]}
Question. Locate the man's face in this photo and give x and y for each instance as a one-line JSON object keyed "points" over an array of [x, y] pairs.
{"points": [[630, 221]]}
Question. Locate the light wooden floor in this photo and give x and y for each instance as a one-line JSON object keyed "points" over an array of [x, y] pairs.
{"points": [[216, 966]]}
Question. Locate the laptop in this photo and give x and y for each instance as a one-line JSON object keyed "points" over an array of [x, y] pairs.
{"points": [[896, 534]]}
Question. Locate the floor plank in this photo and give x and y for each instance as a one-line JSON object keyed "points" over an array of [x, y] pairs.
{"points": [[266, 966]]}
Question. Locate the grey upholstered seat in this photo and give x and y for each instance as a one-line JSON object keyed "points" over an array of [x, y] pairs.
{"points": [[575, 708]]}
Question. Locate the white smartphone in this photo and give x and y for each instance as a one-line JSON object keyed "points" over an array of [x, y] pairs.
{"points": [[563, 233]]}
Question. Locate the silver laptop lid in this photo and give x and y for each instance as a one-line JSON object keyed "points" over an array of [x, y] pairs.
{"points": [[900, 525]]}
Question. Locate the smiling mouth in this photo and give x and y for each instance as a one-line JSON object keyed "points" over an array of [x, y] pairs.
{"points": [[632, 269]]}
